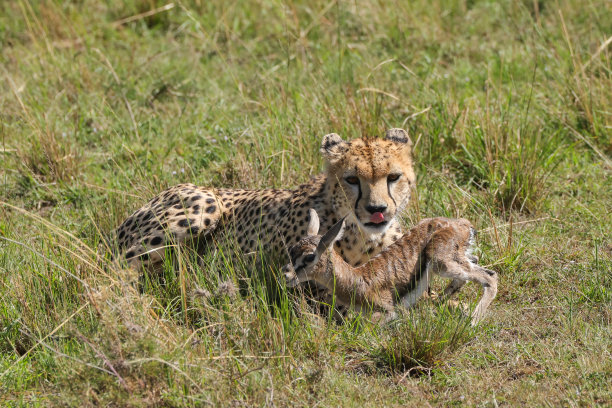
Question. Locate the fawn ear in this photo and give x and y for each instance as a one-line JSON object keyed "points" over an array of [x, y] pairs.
{"points": [[313, 224], [331, 236]]}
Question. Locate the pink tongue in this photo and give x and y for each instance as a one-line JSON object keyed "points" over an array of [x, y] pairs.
{"points": [[377, 218]]}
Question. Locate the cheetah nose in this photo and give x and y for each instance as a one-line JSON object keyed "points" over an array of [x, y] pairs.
{"points": [[373, 209]]}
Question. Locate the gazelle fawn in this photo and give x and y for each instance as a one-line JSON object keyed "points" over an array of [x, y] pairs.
{"points": [[400, 274]]}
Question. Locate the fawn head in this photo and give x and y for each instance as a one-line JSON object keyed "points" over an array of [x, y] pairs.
{"points": [[305, 256]]}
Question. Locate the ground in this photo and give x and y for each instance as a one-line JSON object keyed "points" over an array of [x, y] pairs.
{"points": [[105, 104]]}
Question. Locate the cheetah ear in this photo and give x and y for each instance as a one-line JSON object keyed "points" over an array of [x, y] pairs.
{"points": [[331, 236], [333, 147], [313, 224], [398, 135]]}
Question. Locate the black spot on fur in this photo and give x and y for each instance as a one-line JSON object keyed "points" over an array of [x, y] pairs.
{"points": [[185, 222], [330, 143], [193, 230], [156, 240], [211, 209], [397, 135]]}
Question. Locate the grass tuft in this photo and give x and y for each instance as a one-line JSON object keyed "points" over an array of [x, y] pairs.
{"points": [[50, 160], [422, 340]]}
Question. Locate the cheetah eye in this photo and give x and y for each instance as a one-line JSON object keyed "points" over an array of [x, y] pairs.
{"points": [[393, 177], [352, 180], [309, 258]]}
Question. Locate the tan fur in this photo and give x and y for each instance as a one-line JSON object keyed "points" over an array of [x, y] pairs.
{"points": [[400, 273], [371, 161], [276, 218]]}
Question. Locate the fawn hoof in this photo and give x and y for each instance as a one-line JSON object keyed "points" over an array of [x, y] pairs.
{"points": [[431, 294], [463, 307], [490, 272]]}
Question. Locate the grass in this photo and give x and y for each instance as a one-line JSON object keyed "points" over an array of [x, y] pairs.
{"points": [[422, 340], [104, 104]]}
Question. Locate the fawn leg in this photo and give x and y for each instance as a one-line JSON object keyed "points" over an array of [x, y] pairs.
{"points": [[453, 287], [475, 273], [488, 279]]}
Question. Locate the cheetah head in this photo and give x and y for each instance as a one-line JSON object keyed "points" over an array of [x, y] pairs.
{"points": [[370, 180]]}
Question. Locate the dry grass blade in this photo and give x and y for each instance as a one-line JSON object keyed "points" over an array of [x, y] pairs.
{"points": [[601, 48], [378, 91], [499, 248], [140, 16], [169, 364]]}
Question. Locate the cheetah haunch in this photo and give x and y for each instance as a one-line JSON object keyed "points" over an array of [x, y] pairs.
{"points": [[368, 181], [400, 273]]}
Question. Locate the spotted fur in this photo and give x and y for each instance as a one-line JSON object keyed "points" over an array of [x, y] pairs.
{"points": [[274, 219]]}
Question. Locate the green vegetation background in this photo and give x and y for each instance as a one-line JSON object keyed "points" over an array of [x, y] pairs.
{"points": [[105, 103]]}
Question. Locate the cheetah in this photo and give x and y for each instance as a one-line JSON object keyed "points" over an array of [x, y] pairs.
{"points": [[399, 274], [366, 180]]}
